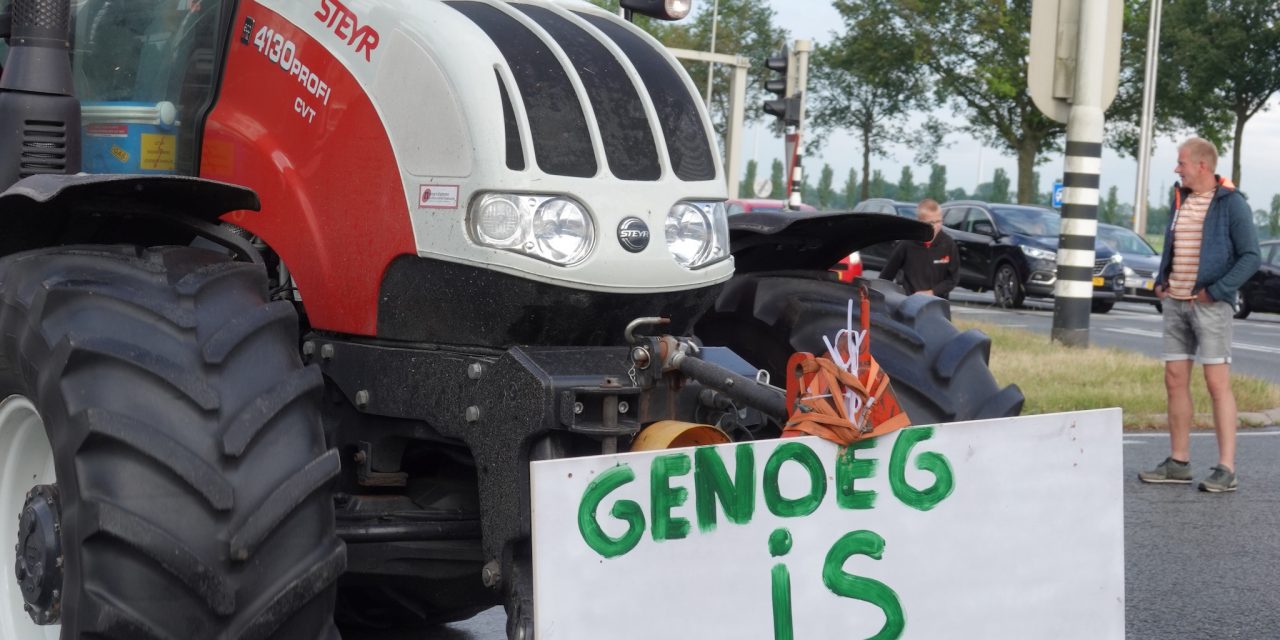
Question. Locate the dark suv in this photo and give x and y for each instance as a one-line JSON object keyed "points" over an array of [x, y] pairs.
{"points": [[877, 255], [1011, 249]]}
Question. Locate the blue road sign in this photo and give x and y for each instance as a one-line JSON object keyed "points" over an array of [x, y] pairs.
{"points": [[1057, 195]]}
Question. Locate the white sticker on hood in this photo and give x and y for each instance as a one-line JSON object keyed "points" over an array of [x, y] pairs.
{"points": [[438, 196]]}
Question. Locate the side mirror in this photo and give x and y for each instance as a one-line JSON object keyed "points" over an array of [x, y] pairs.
{"points": [[985, 228], [660, 9]]}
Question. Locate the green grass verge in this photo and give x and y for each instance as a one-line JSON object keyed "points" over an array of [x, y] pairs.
{"points": [[1055, 378]]}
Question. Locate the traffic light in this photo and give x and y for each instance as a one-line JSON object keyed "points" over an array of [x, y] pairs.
{"points": [[786, 106]]}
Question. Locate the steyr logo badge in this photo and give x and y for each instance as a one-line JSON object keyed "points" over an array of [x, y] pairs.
{"points": [[633, 234]]}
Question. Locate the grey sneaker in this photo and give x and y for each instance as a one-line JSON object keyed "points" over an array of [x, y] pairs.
{"points": [[1222, 479], [1168, 472]]}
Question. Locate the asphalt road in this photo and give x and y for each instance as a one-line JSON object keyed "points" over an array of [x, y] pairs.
{"points": [[1197, 565], [1134, 326]]}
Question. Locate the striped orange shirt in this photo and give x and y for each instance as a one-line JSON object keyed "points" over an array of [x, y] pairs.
{"points": [[1188, 229]]}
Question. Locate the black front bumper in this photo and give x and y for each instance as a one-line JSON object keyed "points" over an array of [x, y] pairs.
{"points": [[1105, 288]]}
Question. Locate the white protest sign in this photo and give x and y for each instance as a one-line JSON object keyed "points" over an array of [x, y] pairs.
{"points": [[1009, 528]]}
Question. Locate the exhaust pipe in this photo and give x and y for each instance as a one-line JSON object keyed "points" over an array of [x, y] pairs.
{"points": [[39, 114]]}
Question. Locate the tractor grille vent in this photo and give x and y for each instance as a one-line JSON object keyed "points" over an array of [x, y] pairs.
{"points": [[40, 14], [562, 143], [44, 148]]}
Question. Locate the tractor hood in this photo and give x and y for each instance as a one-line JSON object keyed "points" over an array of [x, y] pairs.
{"points": [[775, 241], [533, 100]]}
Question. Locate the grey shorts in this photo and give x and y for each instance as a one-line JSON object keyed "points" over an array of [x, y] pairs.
{"points": [[1197, 331]]}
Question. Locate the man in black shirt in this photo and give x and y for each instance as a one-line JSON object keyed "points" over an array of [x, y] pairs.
{"points": [[925, 267]]}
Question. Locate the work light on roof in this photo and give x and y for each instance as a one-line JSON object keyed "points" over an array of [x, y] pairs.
{"points": [[660, 9]]}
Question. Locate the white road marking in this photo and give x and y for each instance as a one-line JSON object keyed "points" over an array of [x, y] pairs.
{"points": [[1132, 442], [1135, 332], [1206, 434], [1255, 347]]}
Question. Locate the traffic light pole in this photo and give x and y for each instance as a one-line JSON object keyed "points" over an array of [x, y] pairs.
{"points": [[796, 168], [1073, 293]]}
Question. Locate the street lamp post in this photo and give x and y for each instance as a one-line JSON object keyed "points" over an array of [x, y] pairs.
{"points": [[1148, 118], [711, 66]]}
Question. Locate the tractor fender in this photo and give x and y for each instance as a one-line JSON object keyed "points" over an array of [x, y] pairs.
{"points": [[785, 241], [135, 195], [44, 211]]}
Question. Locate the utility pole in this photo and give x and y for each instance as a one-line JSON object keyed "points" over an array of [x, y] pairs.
{"points": [[1148, 120]]}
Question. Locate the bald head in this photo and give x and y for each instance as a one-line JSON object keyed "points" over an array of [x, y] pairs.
{"points": [[1197, 161], [1201, 150]]}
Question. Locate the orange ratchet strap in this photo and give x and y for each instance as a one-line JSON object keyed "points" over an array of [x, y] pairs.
{"points": [[817, 388]]}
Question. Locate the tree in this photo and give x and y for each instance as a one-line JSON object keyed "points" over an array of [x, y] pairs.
{"points": [[977, 52], [1224, 56], [1109, 212], [779, 185], [937, 188], [957, 194], [906, 185], [1000, 186], [879, 188], [851, 188], [867, 80], [825, 195], [748, 187]]}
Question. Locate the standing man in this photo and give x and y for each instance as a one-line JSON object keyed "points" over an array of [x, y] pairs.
{"points": [[931, 267], [1211, 248]]}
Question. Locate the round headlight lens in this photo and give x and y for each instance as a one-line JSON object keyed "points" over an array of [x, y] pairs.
{"points": [[562, 231], [689, 234], [498, 221]]}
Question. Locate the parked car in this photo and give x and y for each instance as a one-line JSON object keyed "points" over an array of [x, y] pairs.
{"points": [[1262, 291], [877, 255], [1141, 261], [1012, 250], [846, 270]]}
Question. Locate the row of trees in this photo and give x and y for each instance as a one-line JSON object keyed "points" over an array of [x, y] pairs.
{"points": [[1219, 65], [889, 65], [825, 194]]}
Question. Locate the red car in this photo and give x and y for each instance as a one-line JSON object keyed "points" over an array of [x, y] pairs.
{"points": [[847, 269]]}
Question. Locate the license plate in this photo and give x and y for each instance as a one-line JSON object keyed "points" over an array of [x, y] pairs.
{"points": [[1097, 281], [1149, 285]]}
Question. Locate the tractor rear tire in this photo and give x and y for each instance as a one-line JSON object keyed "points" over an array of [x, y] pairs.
{"points": [[185, 433], [939, 373]]}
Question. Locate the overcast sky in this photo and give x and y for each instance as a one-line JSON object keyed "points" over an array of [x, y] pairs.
{"points": [[969, 163]]}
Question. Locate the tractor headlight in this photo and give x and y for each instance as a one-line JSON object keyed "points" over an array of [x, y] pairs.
{"points": [[497, 222], [552, 228], [697, 233], [562, 231]]}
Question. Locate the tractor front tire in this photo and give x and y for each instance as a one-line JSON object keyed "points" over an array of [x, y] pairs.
{"points": [[938, 373], [183, 492]]}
